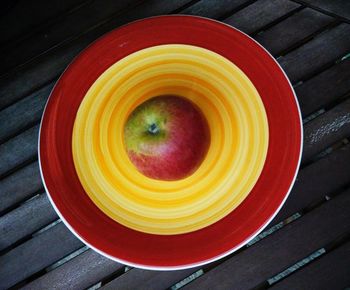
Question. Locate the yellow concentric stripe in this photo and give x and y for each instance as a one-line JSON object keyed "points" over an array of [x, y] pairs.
{"points": [[238, 129]]}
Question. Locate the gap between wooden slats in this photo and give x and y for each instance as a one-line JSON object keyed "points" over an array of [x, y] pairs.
{"points": [[307, 179], [43, 13], [69, 26], [305, 187], [289, 245], [61, 55], [302, 98], [322, 273], [37, 103], [338, 8]]}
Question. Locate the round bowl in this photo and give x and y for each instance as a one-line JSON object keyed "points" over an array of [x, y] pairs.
{"points": [[238, 139], [143, 245]]}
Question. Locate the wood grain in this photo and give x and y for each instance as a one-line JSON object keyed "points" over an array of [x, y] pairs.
{"points": [[281, 249], [47, 67], [325, 130], [259, 14], [70, 26], [325, 88], [79, 273], [43, 13], [322, 50], [330, 271], [18, 150], [36, 254], [338, 7], [20, 185], [292, 30], [26, 219]]}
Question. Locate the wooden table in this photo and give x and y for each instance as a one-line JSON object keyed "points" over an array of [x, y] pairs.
{"points": [[307, 246]]}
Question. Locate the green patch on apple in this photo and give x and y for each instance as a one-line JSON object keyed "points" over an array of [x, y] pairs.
{"points": [[166, 137]]}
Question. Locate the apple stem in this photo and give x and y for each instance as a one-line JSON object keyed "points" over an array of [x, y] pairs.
{"points": [[153, 129]]}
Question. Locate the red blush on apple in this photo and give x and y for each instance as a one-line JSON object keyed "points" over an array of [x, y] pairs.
{"points": [[167, 137]]}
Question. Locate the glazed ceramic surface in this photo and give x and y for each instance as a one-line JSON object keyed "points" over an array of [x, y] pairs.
{"points": [[237, 152], [89, 214]]}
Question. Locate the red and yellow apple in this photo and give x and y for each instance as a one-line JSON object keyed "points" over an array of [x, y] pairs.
{"points": [[166, 137]]}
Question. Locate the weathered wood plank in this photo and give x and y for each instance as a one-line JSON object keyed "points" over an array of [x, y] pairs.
{"points": [[324, 88], [338, 7], [314, 182], [47, 67], [315, 175], [260, 13], [326, 129], [18, 150], [155, 280], [79, 273], [70, 26], [213, 8], [314, 93], [43, 91], [322, 50], [26, 219], [319, 134], [331, 271], [13, 113], [20, 185], [320, 177], [24, 113], [36, 254], [41, 11], [292, 30], [282, 249]]}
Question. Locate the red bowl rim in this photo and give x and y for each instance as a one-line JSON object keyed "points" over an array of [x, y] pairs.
{"points": [[199, 262]]}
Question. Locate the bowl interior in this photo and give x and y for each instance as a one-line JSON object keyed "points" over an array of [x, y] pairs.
{"points": [[237, 152], [153, 251]]}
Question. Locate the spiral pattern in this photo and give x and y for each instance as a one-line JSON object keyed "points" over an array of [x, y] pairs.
{"points": [[236, 155]]}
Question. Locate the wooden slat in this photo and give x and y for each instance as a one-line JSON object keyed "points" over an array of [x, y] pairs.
{"points": [[18, 115], [324, 177], [325, 130], [280, 250], [24, 113], [322, 50], [26, 219], [292, 30], [317, 174], [48, 66], [319, 134], [155, 280], [69, 26], [338, 7], [79, 273], [19, 186], [18, 150], [213, 8], [331, 271], [259, 14], [41, 11], [36, 254], [314, 182], [324, 88]]}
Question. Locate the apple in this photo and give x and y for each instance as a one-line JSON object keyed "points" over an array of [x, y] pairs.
{"points": [[166, 137]]}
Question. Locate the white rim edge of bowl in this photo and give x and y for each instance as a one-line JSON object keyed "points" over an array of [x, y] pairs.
{"points": [[186, 266]]}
